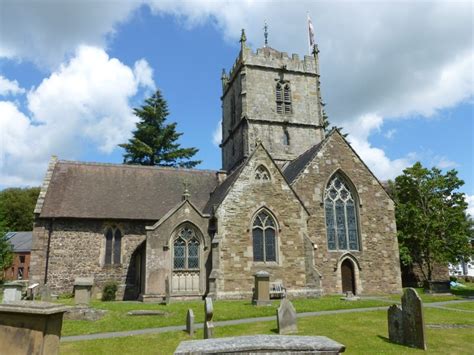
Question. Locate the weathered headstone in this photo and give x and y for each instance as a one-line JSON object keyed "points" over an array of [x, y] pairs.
{"points": [[286, 317], [167, 291], [208, 313], [46, 293], [406, 325], [12, 292], [31, 291], [262, 289], [83, 290], [190, 322]]}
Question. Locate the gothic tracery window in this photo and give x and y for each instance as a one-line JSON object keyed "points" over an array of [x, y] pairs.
{"points": [[186, 249], [262, 174], [341, 215], [264, 237], [113, 245]]}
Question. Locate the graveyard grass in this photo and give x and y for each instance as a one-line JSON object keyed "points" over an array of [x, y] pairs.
{"points": [[362, 333]]}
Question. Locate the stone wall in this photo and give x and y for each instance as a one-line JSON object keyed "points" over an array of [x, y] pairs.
{"points": [[377, 267], [77, 249], [233, 264]]}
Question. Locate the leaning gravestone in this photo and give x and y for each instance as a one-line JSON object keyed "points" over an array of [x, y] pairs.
{"points": [[208, 313], [190, 322], [286, 317], [406, 325]]}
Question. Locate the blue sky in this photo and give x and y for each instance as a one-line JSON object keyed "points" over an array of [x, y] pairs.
{"points": [[397, 76]]}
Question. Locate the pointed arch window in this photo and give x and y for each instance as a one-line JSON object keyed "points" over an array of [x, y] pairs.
{"points": [[264, 237], [186, 249], [262, 174], [113, 245], [286, 137], [341, 215]]}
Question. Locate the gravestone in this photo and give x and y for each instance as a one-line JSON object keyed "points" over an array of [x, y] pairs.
{"points": [[12, 292], [406, 325], [190, 322], [31, 291], [46, 293], [254, 344], [208, 313], [167, 291], [286, 317], [262, 289], [83, 290]]}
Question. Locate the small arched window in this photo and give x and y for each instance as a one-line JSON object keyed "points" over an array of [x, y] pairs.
{"points": [[279, 98], [262, 174], [286, 137], [186, 249], [264, 237], [113, 245], [341, 215]]}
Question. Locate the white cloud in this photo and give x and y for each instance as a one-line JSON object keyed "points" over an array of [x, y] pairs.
{"points": [[390, 133], [84, 104], [445, 163], [217, 134], [10, 87], [470, 202]]}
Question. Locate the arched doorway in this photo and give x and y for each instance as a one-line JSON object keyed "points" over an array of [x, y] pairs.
{"points": [[347, 277]]}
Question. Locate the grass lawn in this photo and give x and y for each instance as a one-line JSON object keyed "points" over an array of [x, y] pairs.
{"points": [[117, 318], [457, 293], [362, 333]]}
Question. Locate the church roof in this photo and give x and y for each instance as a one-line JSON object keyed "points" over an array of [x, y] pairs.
{"points": [[117, 191], [297, 165]]}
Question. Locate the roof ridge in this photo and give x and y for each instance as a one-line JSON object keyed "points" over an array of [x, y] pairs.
{"points": [[135, 166]]}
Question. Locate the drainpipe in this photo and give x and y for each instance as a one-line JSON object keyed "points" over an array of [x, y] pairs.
{"points": [[50, 231]]}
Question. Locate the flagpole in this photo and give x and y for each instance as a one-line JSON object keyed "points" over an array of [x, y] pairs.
{"points": [[309, 39]]}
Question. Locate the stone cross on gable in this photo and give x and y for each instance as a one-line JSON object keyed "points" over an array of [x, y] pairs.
{"points": [[186, 193]]}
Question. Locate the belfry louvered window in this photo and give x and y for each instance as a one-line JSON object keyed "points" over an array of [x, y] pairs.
{"points": [[113, 245], [287, 98], [279, 98], [264, 237], [186, 249], [341, 215]]}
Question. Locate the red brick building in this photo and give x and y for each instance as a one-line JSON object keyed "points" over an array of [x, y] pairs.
{"points": [[21, 243]]}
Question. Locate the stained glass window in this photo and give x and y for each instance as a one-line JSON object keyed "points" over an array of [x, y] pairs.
{"points": [[341, 215], [264, 237], [186, 249]]}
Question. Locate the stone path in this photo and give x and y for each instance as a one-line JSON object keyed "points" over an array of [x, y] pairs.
{"points": [[175, 328]]}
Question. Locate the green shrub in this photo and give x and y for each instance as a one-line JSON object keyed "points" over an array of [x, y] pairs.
{"points": [[109, 291]]}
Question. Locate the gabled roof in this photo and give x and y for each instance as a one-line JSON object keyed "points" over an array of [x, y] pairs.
{"points": [[20, 241], [117, 191]]}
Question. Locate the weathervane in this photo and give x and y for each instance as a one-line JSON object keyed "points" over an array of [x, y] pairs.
{"points": [[265, 33]]}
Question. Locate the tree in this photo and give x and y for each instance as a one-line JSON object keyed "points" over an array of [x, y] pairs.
{"points": [[433, 227], [6, 254], [16, 208], [154, 141]]}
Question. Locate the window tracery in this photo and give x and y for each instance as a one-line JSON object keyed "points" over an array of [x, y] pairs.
{"points": [[264, 237], [113, 245], [186, 249], [262, 174], [341, 215]]}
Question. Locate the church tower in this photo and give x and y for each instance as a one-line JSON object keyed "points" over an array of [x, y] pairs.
{"points": [[271, 98]]}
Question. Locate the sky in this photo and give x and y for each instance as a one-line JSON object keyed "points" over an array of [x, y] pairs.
{"points": [[398, 76]]}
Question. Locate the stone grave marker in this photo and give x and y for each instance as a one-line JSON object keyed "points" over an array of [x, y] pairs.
{"points": [[208, 313], [406, 325], [167, 291], [83, 290], [262, 289], [46, 293], [190, 322], [12, 292], [286, 317]]}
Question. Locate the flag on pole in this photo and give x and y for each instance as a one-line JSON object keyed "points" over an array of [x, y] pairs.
{"points": [[311, 35]]}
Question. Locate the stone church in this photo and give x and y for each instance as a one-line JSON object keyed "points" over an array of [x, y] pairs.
{"points": [[290, 200]]}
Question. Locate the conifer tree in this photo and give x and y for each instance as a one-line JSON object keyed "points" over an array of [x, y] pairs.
{"points": [[326, 125], [154, 141]]}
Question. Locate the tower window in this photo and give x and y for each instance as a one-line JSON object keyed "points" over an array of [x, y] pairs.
{"points": [[279, 98], [286, 137], [287, 99]]}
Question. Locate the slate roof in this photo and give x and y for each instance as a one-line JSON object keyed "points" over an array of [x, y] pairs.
{"points": [[297, 165], [117, 191], [20, 241]]}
